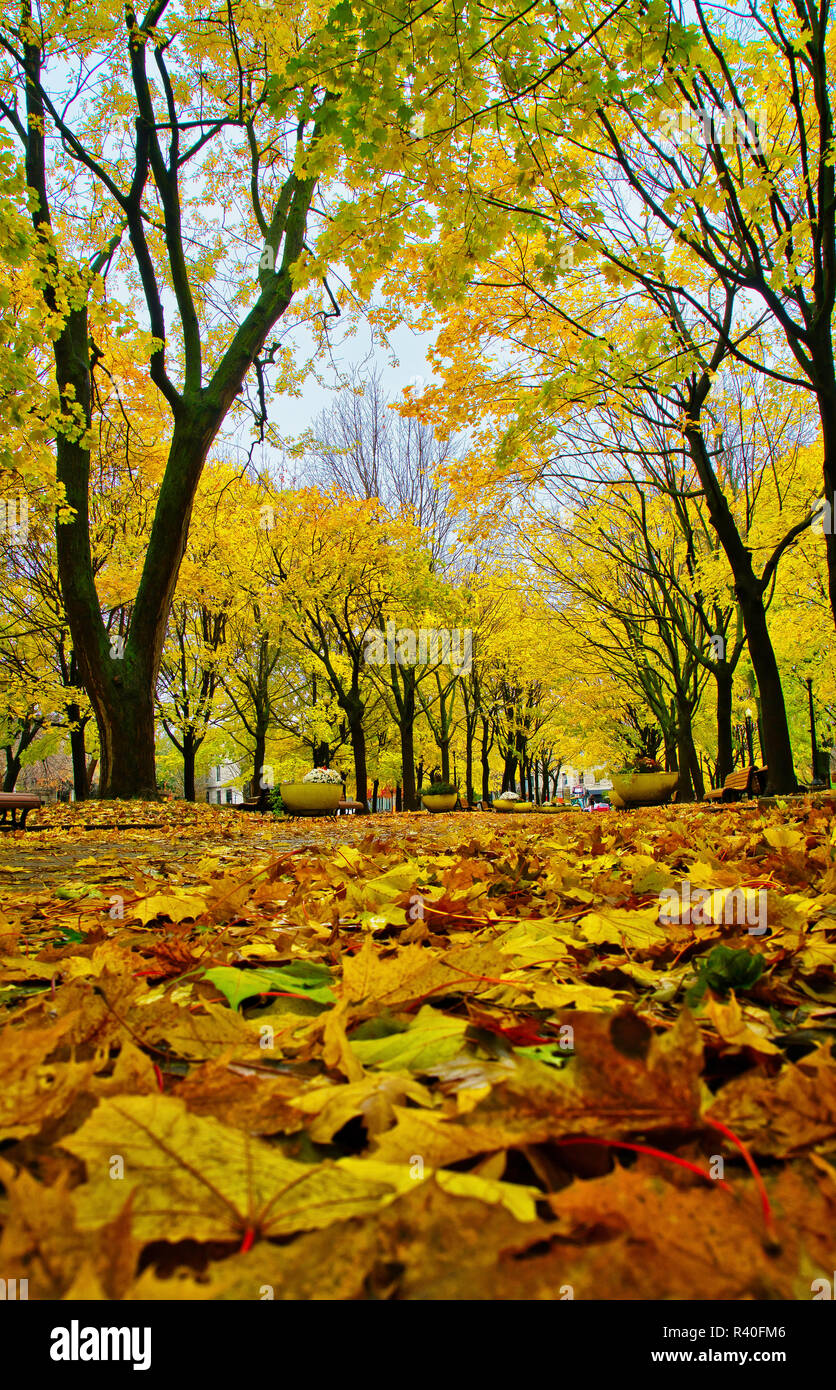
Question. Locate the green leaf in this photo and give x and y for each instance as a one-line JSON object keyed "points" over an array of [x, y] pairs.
{"points": [[724, 969], [551, 1053], [432, 1038], [71, 892], [301, 978], [70, 934]]}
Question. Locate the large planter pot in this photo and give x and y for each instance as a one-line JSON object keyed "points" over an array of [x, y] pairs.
{"points": [[644, 788], [444, 802], [311, 798], [505, 805], [524, 806]]}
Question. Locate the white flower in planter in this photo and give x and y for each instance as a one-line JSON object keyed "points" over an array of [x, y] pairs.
{"points": [[324, 774], [508, 796]]}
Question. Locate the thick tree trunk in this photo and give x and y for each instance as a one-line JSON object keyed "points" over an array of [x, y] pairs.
{"points": [[12, 769], [124, 707], [444, 750], [777, 748]]}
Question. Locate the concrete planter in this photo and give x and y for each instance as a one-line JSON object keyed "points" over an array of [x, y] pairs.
{"points": [[643, 788], [311, 798], [444, 802]]}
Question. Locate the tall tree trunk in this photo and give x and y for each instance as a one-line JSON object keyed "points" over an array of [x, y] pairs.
{"points": [[406, 726], [823, 359], [671, 763], [190, 747], [358, 748], [724, 677], [696, 768], [259, 755], [468, 765], [749, 592], [684, 742], [81, 786], [485, 760], [777, 748]]}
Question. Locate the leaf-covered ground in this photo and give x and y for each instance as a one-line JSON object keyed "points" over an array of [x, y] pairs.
{"points": [[418, 1057]]}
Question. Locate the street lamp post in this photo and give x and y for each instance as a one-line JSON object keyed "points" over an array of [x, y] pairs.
{"points": [[749, 729], [760, 726]]}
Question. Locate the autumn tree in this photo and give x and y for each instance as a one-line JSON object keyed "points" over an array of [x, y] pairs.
{"points": [[131, 116]]}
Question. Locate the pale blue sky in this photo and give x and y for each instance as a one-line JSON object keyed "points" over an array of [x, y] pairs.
{"points": [[295, 414]]}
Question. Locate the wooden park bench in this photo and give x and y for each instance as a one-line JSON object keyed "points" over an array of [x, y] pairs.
{"points": [[747, 781], [12, 802], [348, 807]]}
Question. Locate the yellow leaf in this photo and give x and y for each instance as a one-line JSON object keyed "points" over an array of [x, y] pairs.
{"points": [[194, 1178], [783, 837], [519, 1200], [175, 907]]}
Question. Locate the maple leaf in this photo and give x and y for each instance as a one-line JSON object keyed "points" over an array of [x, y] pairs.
{"points": [[195, 1178]]}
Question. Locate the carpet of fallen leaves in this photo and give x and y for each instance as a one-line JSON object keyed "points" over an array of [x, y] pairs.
{"points": [[417, 1057]]}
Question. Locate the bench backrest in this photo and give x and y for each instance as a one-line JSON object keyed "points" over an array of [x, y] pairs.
{"points": [[742, 780]]}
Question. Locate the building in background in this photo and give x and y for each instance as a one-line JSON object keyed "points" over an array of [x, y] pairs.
{"points": [[219, 790]]}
